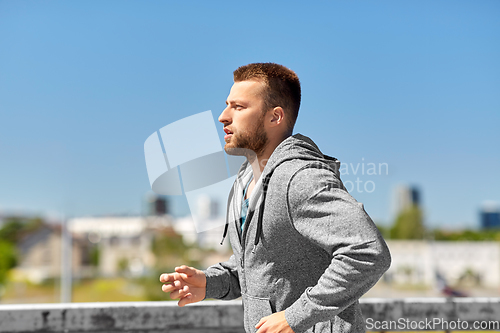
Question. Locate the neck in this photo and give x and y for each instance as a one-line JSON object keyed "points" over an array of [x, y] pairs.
{"points": [[259, 162]]}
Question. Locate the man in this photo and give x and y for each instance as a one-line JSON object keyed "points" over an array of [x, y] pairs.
{"points": [[304, 251]]}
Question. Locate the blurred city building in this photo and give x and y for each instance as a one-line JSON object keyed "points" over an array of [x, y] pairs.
{"points": [[465, 263], [405, 197], [208, 222], [40, 256], [157, 205], [202, 226], [490, 215], [124, 243], [208, 208], [128, 241], [113, 246]]}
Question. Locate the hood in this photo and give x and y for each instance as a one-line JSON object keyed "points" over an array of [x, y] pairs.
{"points": [[297, 146], [300, 147]]}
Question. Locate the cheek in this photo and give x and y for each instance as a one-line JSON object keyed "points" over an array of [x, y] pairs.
{"points": [[249, 121]]}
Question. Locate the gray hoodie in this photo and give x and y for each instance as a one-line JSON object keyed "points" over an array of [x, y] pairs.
{"points": [[308, 247]]}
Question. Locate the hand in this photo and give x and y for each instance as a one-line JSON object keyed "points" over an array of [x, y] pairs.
{"points": [[275, 323], [187, 284]]}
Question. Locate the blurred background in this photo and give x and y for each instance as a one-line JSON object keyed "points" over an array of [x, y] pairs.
{"points": [[404, 93]]}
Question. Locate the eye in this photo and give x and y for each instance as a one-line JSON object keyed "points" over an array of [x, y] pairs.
{"points": [[238, 107]]}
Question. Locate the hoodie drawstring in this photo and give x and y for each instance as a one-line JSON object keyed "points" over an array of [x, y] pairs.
{"points": [[225, 232], [227, 214], [265, 183]]}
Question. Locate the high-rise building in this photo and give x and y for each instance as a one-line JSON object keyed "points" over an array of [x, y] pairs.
{"points": [[406, 197], [208, 208], [158, 205], [490, 215]]}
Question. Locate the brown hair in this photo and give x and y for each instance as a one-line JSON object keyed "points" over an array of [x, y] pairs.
{"points": [[282, 86]]}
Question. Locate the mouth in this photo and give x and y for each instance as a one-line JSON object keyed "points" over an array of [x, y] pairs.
{"points": [[228, 132]]}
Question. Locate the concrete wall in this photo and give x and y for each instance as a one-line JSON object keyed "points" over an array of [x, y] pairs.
{"points": [[222, 316]]}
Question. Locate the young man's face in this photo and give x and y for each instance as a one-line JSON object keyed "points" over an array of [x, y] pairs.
{"points": [[243, 119]]}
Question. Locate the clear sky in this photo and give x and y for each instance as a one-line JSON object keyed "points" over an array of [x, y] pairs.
{"points": [[414, 84]]}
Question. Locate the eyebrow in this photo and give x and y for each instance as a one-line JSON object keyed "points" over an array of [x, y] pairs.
{"points": [[235, 101]]}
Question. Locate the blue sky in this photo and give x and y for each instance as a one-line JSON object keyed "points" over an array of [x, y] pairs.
{"points": [[414, 84]]}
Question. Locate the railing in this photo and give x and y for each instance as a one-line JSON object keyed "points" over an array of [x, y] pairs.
{"points": [[227, 316]]}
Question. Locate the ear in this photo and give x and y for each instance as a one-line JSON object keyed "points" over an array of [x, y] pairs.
{"points": [[278, 116]]}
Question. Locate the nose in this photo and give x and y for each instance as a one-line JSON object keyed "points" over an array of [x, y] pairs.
{"points": [[225, 116]]}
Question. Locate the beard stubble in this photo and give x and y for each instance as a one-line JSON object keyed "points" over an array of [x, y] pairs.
{"points": [[248, 142]]}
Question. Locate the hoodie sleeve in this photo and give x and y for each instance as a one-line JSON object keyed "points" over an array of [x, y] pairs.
{"points": [[223, 281], [323, 212]]}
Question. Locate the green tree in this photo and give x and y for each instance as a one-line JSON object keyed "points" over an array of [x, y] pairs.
{"points": [[467, 235], [409, 224], [384, 230], [8, 259], [170, 251], [12, 230], [123, 266]]}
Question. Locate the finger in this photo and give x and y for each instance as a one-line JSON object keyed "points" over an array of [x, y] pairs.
{"points": [[261, 322], [185, 300], [189, 271], [173, 285], [165, 278], [175, 294], [168, 288], [179, 293]]}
